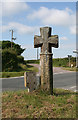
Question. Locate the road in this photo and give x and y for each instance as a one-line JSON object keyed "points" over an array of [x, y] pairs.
{"points": [[61, 80], [66, 80], [16, 83]]}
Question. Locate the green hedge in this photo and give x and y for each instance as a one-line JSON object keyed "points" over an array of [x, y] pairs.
{"points": [[63, 62]]}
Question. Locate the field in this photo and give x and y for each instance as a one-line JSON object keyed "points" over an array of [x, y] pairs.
{"points": [[39, 104]]}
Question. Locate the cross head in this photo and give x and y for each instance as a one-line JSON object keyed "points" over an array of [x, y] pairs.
{"points": [[45, 40]]}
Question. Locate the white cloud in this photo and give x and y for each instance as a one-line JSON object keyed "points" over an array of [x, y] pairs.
{"points": [[73, 29], [20, 28], [10, 8], [54, 16], [64, 38]]}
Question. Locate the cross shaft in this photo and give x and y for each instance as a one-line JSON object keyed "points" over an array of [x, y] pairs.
{"points": [[46, 41]]}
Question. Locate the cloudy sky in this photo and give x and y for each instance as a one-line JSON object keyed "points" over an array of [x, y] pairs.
{"points": [[25, 18]]}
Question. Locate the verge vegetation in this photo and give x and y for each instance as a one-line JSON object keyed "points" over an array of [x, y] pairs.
{"points": [[27, 68], [39, 104], [71, 69]]}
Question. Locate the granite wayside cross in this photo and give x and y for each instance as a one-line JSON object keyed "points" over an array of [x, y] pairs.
{"points": [[46, 41]]}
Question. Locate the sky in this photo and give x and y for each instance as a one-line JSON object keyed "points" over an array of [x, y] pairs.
{"points": [[26, 18]]}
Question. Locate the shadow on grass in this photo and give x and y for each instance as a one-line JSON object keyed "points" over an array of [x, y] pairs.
{"points": [[68, 93], [58, 92]]}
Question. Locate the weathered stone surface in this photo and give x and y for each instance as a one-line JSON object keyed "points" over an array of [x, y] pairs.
{"points": [[46, 71], [46, 41], [31, 81]]}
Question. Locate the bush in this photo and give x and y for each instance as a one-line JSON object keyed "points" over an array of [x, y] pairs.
{"points": [[9, 60], [17, 48], [21, 59], [11, 57]]}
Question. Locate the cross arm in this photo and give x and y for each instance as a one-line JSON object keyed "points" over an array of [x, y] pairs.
{"points": [[53, 41], [38, 41]]}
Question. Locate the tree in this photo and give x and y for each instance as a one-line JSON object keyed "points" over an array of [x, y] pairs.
{"points": [[11, 58], [17, 48]]}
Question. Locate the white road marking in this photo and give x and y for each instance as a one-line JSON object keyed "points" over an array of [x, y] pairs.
{"points": [[12, 77], [58, 73], [73, 87]]}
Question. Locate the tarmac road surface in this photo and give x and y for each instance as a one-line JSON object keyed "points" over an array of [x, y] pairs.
{"points": [[65, 80]]}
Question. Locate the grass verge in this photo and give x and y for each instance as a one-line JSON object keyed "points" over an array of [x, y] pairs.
{"points": [[70, 69], [33, 61], [12, 74], [39, 104], [16, 74]]}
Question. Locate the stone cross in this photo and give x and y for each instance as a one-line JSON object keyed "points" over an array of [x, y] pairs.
{"points": [[46, 41]]}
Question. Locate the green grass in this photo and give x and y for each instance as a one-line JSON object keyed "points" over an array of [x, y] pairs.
{"points": [[12, 74], [0, 74], [33, 61], [32, 68], [39, 104], [15, 74], [71, 69]]}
